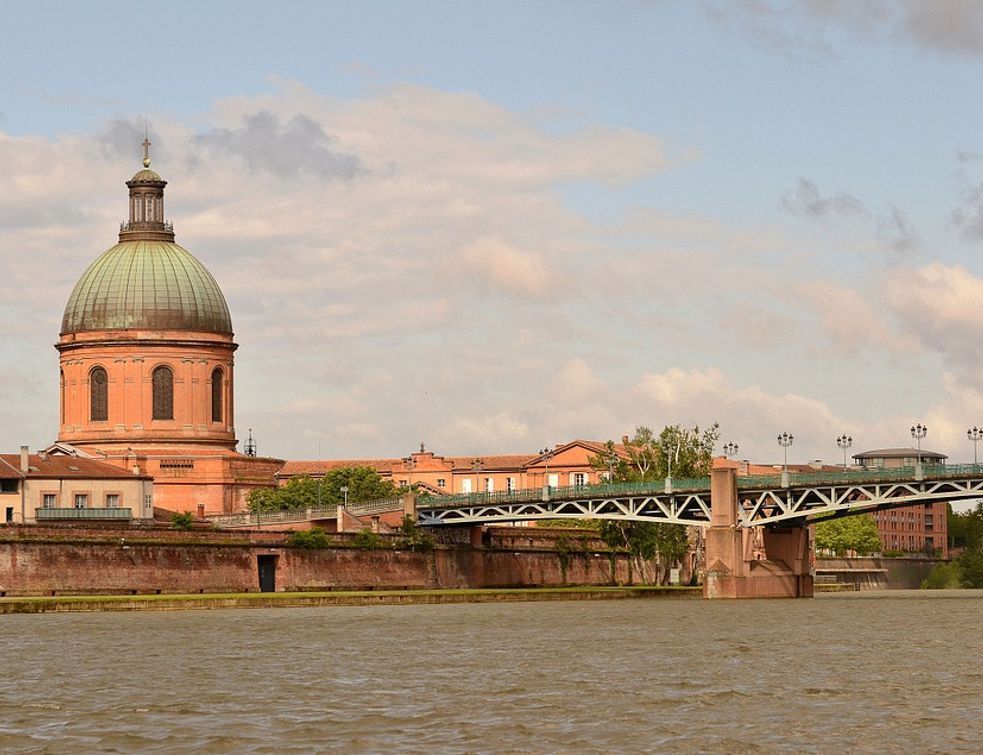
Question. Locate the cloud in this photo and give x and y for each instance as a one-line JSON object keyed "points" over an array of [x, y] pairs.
{"points": [[285, 149], [940, 305], [850, 320], [808, 26], [968, 217], [806, 201], [499, 266], [945, 25], [896, 231]]}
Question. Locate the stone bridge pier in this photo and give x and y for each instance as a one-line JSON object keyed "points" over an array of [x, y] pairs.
{"points": [[776, 566]]}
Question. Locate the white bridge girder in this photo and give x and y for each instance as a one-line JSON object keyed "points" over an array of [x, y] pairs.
{"points": [[756, 508], [680, 508]]}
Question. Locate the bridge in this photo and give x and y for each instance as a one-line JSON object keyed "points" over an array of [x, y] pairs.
{"points": [[731, 511], [761, 500]]}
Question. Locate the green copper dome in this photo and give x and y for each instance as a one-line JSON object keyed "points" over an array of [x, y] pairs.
{"points": [[147, 285]]}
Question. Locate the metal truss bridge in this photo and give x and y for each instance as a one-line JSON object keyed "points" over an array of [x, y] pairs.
{"points": [[776, 500]]}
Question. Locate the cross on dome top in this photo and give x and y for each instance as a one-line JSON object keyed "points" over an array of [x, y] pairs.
{"points": [[146, 151]]}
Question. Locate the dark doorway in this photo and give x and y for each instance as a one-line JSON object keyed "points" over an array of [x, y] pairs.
{"points": [[267, 573], [10, 513]]}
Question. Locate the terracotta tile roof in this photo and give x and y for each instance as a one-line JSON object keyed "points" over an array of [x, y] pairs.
{"points": [[314, 467], [57, 466], [492, 463]]}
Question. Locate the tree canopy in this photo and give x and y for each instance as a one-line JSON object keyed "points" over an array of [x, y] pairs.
{"points": [[364, 484], [688, 452], [853, 533]]}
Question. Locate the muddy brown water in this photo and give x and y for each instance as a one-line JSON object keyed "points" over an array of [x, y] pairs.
{"points": [[893, 671]]}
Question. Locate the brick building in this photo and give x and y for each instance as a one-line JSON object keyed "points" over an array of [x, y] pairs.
{"points": [[52, 485], [566, 464], [913, 529]]}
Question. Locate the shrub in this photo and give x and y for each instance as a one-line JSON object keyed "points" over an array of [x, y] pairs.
{"points": [[183, 521], [413, 538], [367, 540], [943, 577], [313, 538]]}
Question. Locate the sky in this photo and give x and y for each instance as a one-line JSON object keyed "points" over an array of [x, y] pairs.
{"points": [[498, 226]]}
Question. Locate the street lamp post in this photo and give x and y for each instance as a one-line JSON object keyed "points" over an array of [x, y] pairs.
{"points": [[844, 442], [612, 459], [476, 466], [975, 434], [785, 440], [547, 455], [918, 432], [668, 486], [731, 449], [344, 492]]}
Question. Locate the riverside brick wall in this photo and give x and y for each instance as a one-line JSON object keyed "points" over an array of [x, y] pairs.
{"points": [[64, 561]]}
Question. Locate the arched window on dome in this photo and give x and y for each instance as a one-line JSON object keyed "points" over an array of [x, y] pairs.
{"points": [[98, 395], [163, 380], [217, 393]]}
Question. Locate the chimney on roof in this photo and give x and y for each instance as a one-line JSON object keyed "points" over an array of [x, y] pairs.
{"points": [[25, 459], [743, 467]]}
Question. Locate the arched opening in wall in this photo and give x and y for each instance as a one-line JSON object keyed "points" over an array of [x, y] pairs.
{"points": [[163, 383], [217, 393], [98, 395], [62, 388]]}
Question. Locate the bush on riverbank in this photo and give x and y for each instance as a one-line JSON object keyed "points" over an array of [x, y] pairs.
{"points": [[966, 571]]}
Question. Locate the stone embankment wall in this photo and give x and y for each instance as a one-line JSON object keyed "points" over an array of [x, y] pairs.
{"points": [[79, 560], [878, 573]]}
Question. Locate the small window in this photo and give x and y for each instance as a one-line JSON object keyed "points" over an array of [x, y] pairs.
{"points": [[49, 501], [489, 485], [8, 486], [510, 484], [98, 395], [112, 500], [163, 386], [466, 485], [81, 501], [441, 482]]}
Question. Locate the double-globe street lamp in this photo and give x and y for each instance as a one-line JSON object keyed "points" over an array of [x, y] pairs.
{"points": [[785, 440], [844, 442], [975, 434], [918, 432], [731, 449]]}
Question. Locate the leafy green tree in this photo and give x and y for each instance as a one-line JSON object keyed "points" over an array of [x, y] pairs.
{"points": [[966, 528], [852, 533], [971, 567], [364, 484], [649, 457]]}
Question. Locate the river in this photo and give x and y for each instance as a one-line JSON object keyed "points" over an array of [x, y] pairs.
{"points": [[861, 672]]}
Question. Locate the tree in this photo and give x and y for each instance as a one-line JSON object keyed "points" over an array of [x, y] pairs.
{"points": [[852, 533], [364, 484], [966, 528], [647, 456]]}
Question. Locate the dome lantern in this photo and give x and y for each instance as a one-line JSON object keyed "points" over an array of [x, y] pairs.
{"points": [[146, 205]]}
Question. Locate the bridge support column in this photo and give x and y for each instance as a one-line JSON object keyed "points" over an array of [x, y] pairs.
{"points": [[735, 568]]}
